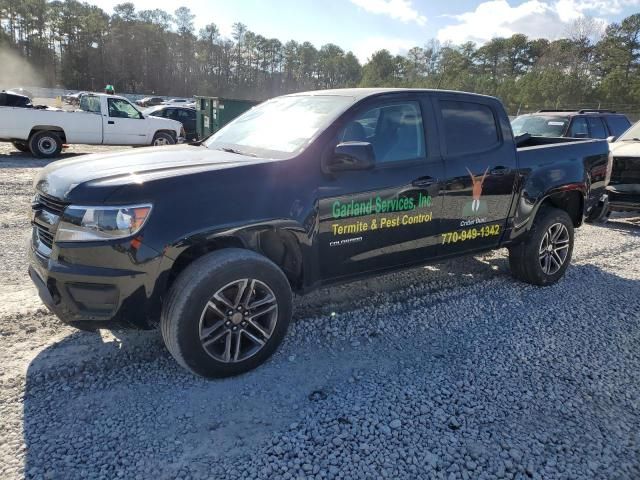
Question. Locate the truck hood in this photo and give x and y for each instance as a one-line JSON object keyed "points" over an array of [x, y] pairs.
{"points": [[58, 179], [625, 149], [163, 122]]}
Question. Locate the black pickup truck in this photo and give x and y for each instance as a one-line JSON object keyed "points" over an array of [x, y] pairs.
{"points": [[210, 240]]}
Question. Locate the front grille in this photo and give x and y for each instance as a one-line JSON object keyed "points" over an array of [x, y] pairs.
{"points": [[46, 216], [45, 237], [52, 204]]}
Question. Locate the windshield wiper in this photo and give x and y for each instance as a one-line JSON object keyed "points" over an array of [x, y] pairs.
{"points": [[238, 152], [634, 139]]}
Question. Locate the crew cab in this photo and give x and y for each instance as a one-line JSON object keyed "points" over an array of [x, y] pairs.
{"points": [[209, 240], [102, 120]]}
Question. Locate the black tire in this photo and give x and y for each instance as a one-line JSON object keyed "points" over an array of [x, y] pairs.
{"points": [[599, 214], [45, 144], [162, 138], [21, 146], [188, 304], [526, 259]]}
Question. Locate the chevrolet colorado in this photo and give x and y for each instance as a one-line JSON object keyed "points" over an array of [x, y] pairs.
{"points": [[210, 240]]}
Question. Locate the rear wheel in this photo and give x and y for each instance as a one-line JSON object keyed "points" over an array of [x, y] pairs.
{"points": [[226, 313], [162, 138], [544, 256], [21, 146], [45, 144]]}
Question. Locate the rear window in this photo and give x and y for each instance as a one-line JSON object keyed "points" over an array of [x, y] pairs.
{"points": [[540, 125], [618, 124], [468, 127]]}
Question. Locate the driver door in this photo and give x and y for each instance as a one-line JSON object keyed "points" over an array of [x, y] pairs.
{"points": [[124, 124], [388, 216]]}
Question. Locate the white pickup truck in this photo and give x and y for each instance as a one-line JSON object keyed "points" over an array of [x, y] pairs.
{"points": [[102, 120]]}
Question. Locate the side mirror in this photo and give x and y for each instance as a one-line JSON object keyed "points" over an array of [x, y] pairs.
{"points": [[351, 156], [611, 139]]}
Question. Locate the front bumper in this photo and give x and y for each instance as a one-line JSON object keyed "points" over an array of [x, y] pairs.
{"points": [[623, 201], [95, 296]]}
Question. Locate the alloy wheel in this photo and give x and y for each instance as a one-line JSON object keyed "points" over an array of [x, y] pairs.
{"points": [[238, 320], [554, 248]]}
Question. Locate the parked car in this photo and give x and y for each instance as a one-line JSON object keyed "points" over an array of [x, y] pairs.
{"points": [[624, 187], [572, 123], [21, 91], [177, 101], [184, 115], [73, 98], [102, 120], [12, 99], [209, 240], [150, 101]]}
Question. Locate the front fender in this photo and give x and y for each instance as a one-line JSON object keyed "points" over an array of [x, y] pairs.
{"points": [[283, 241]]}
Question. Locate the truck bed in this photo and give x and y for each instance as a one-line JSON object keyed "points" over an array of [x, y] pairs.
{"points": [[558, 162]]}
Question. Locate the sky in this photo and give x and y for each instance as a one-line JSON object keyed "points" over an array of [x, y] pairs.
{"points": [[365, 26]]}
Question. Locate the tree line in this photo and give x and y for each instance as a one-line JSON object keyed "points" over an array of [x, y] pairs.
{"points": [[75, 45]]}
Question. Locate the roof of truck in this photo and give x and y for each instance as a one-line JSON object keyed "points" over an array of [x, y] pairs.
{"points": [[360, 93]]}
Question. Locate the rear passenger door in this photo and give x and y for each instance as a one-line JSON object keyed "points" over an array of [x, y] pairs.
{"points": [[480, 171]]}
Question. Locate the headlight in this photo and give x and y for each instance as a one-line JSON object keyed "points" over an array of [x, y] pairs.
{"points": [[87, 224]]}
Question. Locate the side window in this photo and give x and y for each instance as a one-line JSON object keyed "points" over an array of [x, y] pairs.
{"points": [[186, 115], [618, 124], [579, 128], [395, 131], [122, 109], [468, 127], [89, 103], [597, 127]]}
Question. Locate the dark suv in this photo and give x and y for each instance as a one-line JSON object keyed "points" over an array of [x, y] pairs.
{"points": [[572, 123]]}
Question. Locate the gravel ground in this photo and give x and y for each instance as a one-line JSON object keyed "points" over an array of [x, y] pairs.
{"points": [[450, 371]]}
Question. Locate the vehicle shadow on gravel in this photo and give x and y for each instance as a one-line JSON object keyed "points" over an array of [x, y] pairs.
{"points": [[629, 225], [97, 406], [26, 160]]}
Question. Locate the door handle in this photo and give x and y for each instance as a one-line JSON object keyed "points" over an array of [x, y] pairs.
{"points": [[500, 170], [424, 182], [111, 122]]}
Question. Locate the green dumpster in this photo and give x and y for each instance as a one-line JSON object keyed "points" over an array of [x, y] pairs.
{"points": [[212, 113]]}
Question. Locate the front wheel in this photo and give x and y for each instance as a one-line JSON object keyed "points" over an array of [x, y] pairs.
{"points": [[226, 313], [543, 257], [162, 138]]}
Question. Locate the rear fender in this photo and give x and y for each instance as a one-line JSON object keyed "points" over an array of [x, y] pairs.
{"points": [[563, 184]]}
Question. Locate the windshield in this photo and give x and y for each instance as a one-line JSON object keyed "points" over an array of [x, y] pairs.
{"points": [[540, 125], [633, 134], [282, 126]]}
